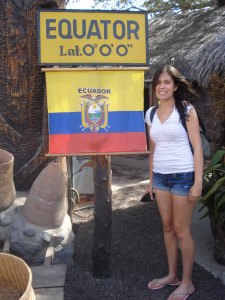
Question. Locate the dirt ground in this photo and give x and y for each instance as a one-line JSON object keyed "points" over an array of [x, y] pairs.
{"points": [[137, 255]]}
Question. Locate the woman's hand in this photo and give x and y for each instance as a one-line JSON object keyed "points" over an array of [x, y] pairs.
{"points": [[195, 192]]}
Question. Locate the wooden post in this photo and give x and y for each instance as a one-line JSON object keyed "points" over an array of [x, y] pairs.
{"points": [[101, 252], [69, 163]]}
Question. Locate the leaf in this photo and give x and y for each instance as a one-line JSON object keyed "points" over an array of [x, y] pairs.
{"points": [[219, 194], [219, 204], [205, 202], [210, 169], [203, 205], [205, 215], [220, 182], [217, 156], [220, 219]]}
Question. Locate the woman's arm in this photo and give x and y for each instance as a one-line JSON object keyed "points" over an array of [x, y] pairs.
{"points": [[195, 139], [152, 149]]}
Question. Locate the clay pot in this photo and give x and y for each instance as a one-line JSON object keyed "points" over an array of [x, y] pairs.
{"points": [[7, 187], [46, 204]]}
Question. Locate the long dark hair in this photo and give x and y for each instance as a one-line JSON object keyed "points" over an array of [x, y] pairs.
{"points": [[184, 88]]}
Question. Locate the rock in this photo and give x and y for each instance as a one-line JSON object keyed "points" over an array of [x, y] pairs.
{"points": [[46, 236], [6, 220], [33, 248], [29, 232], [46, 204]]}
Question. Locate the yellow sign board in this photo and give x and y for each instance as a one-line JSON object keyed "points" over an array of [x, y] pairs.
{"points": [[90, 37]]}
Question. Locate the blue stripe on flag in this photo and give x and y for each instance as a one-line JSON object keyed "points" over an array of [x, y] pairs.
{"points": [[119, 121]]}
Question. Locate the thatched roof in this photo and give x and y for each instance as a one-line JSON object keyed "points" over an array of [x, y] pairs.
{"points": [[194, 42]]}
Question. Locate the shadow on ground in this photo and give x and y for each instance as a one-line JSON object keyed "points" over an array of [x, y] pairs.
{"points": [[138, 255]]}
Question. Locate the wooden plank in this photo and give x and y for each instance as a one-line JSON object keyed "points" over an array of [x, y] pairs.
{"points": [[49, 294], [49, 255], [6, 245], [49, 276], [97, 154], [58, 69]]}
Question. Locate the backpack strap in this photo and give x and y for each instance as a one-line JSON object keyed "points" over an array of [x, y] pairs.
{"points": [[152, 113], [201, 128], [201, 124], [183, 122]]}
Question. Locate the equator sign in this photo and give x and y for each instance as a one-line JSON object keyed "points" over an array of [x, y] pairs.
{"points": [[71, 37]]}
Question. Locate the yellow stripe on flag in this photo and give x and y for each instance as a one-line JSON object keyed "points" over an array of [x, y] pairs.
{"points": [[124, 89]]}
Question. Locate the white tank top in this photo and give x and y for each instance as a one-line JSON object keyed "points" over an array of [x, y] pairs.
{"points": [[172, 149]]}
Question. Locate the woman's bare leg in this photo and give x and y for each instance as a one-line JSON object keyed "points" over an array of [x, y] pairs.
{"points": [[182, 215], [165, 205]]}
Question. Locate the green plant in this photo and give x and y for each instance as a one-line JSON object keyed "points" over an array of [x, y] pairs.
{"points": [[213, 199], [213, 194]]}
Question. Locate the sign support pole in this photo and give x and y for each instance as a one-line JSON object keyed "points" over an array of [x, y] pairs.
{"points": [[101, 251], [69, 185]]}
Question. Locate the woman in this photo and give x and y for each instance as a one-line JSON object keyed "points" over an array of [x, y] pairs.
{"points": [[175, 173]]}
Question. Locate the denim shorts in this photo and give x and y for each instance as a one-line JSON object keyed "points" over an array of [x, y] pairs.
{"points": [[176, 183]]}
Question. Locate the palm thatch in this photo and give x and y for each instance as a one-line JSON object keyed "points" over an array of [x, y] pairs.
{"points": [[194, 42], [210, 61]]}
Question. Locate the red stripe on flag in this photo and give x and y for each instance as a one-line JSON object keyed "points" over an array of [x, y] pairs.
{"points": [[97, 143]]}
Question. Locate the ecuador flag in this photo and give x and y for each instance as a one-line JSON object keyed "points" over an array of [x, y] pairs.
{"points": [[95, 112]]}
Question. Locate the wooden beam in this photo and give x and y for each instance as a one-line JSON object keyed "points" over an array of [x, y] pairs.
{"points": [[101, 251], [6, 245], [97, 154], [69, 164], [49, 293], [60, 69], [48, 276]]}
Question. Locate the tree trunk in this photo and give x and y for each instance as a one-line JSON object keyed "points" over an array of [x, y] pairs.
{"points": [[218, 231], [220, 245], [220, 3], [101, 252]]}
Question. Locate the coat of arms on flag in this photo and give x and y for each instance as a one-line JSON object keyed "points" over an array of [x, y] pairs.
{"points": [[94, 112]]}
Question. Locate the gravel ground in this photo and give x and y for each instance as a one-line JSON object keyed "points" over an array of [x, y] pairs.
{"points": [[138, 255]]}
